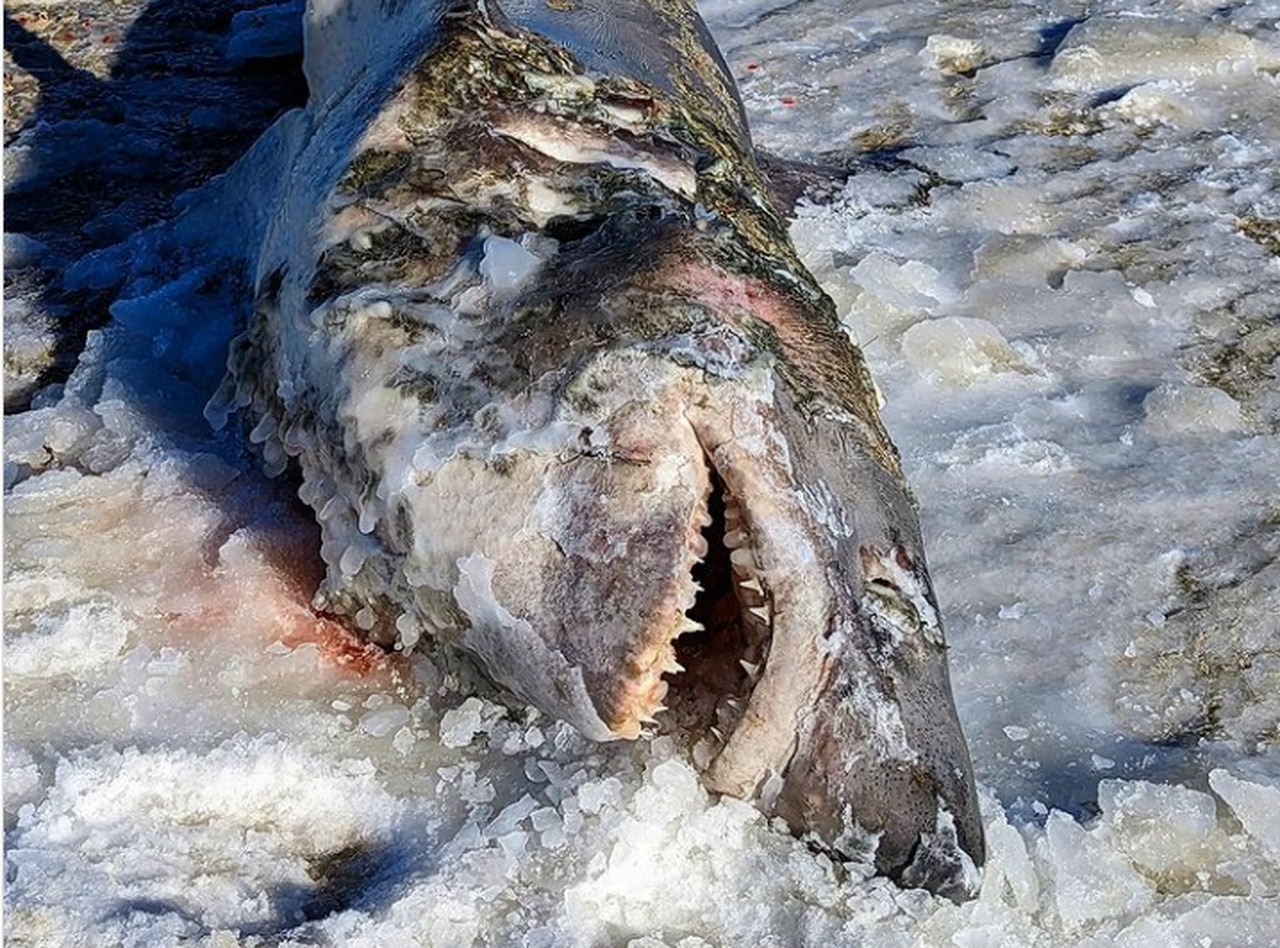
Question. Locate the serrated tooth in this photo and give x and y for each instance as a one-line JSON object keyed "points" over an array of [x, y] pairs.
{"points": [[763, 613], [689, 625], [734, 703], [716, 731], [743, 560], [673, 667], [699, 546], [735, 538], [752, 670], [752, 584]]}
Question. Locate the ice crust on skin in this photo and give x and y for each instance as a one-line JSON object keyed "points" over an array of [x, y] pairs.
{"points": [[119, 503], [512, 643]]}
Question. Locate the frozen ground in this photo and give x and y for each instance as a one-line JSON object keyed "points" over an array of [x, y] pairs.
{"points": [[1061, 253]]}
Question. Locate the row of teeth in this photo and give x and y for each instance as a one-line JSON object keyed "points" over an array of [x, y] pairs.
{"points": [[650, 687], [751, 593], [758, 614]]}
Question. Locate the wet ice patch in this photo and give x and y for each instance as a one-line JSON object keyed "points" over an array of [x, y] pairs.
{"points": [[1106, 52], [997, 451], [961, 163]]}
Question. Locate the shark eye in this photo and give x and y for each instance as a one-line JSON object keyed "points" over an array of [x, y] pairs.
{"points": [[898, 596]]}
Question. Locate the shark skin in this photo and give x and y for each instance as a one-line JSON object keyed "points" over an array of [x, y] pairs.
{"points": [[565, 401]]}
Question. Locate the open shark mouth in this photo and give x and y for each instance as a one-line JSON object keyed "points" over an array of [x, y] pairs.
{"points": [[723, 651], [722, 683]]}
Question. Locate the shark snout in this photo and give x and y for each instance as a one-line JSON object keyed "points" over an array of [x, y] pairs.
{"points": [[850, 732]]}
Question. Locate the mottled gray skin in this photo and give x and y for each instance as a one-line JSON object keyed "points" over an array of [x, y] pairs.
{"points": [[527, 325]]}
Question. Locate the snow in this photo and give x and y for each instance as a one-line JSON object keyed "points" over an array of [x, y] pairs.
{"points": [[1048, 260]]}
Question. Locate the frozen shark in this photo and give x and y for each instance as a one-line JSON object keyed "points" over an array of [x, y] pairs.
{"points": [[564, 399]]}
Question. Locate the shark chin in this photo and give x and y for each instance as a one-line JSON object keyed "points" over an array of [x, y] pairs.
{"points": [[564, 400]]}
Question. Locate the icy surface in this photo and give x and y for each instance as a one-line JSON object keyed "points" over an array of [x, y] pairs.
{"points": [[1060, 253]]}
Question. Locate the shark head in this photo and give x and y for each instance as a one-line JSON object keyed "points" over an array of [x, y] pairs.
{"points": [[565, 400]]}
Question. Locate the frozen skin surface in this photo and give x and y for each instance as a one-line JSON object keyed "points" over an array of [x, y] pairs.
{"points": [[1060, 255]]}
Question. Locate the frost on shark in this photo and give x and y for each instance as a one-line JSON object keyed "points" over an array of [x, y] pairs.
{"points": [[563, 397]]}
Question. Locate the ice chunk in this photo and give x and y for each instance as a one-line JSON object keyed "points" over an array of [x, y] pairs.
{"points": [[459, 726], [1022, 259], [1162, 828], [545, 818], [21, 777], [1091, 882], [507, 265], [1184, 409], [1158, 103], [22, 251], [204, 834], [1256, 806], [30, 347], [676, 777], [514, 843], [1010, 873], [510, 817], [265, 32], [77, 643], [595, 795], [384, 720], [958, 351], [1110, 52], [904, 287], [962, 163], [952, 55]]}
